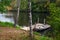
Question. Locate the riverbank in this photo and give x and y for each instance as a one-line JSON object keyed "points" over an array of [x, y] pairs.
{"points": [[7, 33]]}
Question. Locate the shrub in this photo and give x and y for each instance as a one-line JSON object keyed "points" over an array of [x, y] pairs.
{"points": [[54, 19]]}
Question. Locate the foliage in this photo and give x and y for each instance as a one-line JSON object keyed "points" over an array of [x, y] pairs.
{"points": [[42, 38], [39, 37], [36, 33], [54, 20], [23, 19], [23, 4], [45, 38], [3, 4], [39, 10]]}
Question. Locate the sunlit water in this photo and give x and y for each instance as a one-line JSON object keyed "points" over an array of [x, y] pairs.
{"points": [[3, 18]]}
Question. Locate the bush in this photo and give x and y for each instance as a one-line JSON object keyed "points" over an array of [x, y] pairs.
{"points": [[54, 19]]}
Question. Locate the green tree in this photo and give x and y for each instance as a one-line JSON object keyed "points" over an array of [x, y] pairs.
{"points": [[54, 20], [39, 9], [3, 4]]}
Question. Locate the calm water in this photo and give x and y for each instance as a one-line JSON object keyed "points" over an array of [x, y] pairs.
{"points": [[3, 18]]}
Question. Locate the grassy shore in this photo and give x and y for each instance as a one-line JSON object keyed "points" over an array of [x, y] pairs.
{"points": [[8, 32]]}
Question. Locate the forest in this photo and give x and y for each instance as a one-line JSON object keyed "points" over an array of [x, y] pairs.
{"points": [[40, 10]]}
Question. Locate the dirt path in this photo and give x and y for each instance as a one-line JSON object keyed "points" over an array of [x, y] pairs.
{"points": [[7, 33]]}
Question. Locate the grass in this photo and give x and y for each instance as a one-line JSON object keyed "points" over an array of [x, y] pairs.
{"points": [[36, 33], [10, 25], [39, 37], [6, 24]]}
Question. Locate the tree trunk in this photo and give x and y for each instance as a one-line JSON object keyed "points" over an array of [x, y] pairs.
{"points": [[17, 15], [30, 20]]}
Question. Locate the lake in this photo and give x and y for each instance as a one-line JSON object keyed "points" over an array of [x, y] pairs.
{"points": [[4, 18]]}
